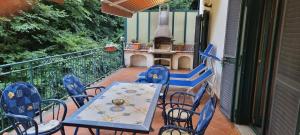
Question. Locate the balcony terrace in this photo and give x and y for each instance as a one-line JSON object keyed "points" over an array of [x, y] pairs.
{"points": [[96, 69], [218, 126]]}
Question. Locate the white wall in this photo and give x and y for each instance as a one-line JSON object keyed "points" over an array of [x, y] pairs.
{"points": [[216, 36]]}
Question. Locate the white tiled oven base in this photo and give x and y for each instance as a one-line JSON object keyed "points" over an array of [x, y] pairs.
{"points": [[141, 58]]}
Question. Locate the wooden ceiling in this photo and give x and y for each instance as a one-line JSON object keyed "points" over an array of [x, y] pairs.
{"points": [[126, 8]]}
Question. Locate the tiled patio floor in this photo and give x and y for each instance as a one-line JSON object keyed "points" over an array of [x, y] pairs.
{"points": [[218, 126]]}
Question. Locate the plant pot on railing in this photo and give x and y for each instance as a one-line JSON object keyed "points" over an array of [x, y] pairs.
{"points": [[180, 47], [111, 47]]}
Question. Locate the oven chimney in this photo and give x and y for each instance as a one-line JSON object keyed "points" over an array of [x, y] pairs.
{"points": [[163, 30]]}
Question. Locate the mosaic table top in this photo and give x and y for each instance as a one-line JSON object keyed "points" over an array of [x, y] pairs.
{"points": [[136, 113]]}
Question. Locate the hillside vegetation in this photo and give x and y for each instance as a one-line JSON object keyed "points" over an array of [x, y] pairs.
{"points": [[51, 28]]}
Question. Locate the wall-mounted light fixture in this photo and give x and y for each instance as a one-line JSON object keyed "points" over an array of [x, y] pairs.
{"points": [[208, 3]]}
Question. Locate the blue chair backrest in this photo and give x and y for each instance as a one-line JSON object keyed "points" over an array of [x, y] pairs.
{"points": [[208, 50], [74, 87], [206, 115], [199, 96], [21, 98], [158, 74], [204, 76]]}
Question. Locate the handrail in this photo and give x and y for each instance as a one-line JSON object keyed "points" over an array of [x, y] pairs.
{"points": [[48, 57]]}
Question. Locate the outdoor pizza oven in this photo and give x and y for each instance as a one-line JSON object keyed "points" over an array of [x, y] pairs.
{"points": [[163, 37], [163, 51]]}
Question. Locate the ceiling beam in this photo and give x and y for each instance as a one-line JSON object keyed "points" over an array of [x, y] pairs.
{"points": [[119, 1], [118, 6]]}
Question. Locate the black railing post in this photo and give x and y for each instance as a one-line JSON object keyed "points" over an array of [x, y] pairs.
{"points": [[122, 39]]}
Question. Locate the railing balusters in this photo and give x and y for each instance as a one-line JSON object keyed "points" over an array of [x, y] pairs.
{"points": [[46, 73], [31, 73]]}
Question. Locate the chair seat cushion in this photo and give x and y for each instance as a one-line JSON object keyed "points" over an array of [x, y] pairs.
{"points": [[174, 132], [183, 115], [45, 127]]}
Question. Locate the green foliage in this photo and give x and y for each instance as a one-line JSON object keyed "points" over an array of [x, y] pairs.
{"points": [[51, 28], [180, 4]]}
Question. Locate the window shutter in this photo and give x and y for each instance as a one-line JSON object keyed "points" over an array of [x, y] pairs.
{"points": [[286, 96], [229, 61]]}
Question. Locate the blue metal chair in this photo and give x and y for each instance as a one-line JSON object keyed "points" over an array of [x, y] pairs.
{"points": [[21, 102], [77, 92], [195, 71], [158, 74], [205, 117], [183, 100]]}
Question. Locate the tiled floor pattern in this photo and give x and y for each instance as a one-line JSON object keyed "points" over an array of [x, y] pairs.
{"points": [[218, 126]]}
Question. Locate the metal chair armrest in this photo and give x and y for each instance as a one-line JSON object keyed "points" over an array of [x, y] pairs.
{"points": [[181, 93], [95, 87], [23, 118], [100, 88], [179, 105], [83, 96], [61, 102], [181, 96], [182, 110]]}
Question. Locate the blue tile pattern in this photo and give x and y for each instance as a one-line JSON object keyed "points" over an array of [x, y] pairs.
{"points": [[21, 98]]}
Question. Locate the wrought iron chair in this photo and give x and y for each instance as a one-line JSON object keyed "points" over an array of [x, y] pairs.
{"points": [[158, 74], [77, 92], [205, 117], [21, 103], [183, 100]]}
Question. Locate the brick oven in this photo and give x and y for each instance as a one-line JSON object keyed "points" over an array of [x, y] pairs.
{"points": [[163, 42], [163, 50]]}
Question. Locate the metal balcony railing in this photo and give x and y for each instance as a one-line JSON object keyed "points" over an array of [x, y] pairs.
{"points": [[47, 73]]}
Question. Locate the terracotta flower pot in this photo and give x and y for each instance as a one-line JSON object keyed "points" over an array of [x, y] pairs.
{"points": [[111, 47], [136, 46]]}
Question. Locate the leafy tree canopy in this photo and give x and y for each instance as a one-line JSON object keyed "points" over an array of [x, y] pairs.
{"points": [[51, 28]]}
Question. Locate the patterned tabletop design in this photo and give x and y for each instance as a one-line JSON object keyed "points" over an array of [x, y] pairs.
{"points": [[137, 111]]}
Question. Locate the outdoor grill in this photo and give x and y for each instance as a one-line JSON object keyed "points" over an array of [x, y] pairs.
{"points": [[163, 41], [165, 49]]}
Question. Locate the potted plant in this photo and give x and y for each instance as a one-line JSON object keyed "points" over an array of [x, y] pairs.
{"points": [[180, 47], [110, 47], [135, 44], [149, 45]]}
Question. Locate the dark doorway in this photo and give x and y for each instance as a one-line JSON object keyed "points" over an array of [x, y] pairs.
{"points": [[268, 76], [265, 64], [258, 30]]}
